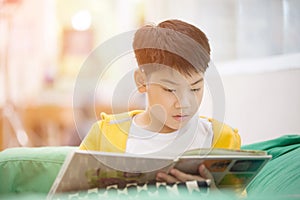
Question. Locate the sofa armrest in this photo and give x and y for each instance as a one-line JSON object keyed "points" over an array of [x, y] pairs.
{"points": [[31, 170], [281, 175]]}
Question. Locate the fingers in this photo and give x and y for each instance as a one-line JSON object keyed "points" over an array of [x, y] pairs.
{"points": [[177, 176], [183, 177], [163, 177], [205, 173]]}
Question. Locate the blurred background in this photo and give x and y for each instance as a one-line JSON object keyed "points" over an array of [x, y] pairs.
{"points": [[43, 44]]}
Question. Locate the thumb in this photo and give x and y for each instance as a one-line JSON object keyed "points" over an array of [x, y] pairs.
{"points": [[204, 172]]}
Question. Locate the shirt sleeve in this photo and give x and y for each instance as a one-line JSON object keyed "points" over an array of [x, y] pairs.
{"points": [[93, 139]]}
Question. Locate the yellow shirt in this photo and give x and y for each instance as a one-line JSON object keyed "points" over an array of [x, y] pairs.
{"points": [[111, 132]]}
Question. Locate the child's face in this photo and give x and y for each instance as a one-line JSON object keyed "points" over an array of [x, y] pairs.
{"points": [[173, 98]]}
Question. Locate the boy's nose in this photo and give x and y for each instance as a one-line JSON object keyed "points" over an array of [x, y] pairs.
{"points": [[183, 101]]}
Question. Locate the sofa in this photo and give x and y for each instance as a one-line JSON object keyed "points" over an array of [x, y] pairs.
{"points": [[29, 172]]}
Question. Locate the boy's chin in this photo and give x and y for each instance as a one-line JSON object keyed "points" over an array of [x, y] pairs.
{"points": [[178, 126]]}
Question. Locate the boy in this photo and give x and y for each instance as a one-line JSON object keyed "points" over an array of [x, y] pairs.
{"points": [[172, 59]]}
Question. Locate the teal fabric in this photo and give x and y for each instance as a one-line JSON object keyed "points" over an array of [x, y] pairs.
{"points": [[30, 169], [281, 176]]}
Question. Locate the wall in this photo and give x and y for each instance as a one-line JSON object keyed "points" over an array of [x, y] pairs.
{"points": [[263, 104]]}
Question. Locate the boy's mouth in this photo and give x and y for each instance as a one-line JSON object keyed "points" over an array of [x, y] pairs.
{"points": [[180, 117]]}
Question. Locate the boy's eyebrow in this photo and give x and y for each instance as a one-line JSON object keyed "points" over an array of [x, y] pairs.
{"points": [[201, 79], [174, 83]]}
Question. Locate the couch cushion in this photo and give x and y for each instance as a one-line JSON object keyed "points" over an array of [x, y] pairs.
{"points": [[30, 169], [280, 177]]}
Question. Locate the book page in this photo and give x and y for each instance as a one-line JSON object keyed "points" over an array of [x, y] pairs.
{"points": [[86, 170], [228, 172]]}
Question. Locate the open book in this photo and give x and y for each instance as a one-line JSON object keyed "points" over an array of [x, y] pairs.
{"points": [[84, 170]]}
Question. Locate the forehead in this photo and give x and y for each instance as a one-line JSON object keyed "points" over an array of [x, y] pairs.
{"points": [[174, 76]]}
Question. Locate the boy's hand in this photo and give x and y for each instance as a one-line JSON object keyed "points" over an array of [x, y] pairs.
{"points": [[178, 176]]}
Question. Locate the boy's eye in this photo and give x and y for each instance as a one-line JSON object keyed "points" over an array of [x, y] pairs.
{"points": [[169, 90], [196, 90]]}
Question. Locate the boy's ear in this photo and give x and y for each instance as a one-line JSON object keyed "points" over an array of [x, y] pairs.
{"points": [[140, 80]]}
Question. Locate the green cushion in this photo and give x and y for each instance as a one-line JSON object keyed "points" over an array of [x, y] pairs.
{"points": [[30, 169], [281, 176]]}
